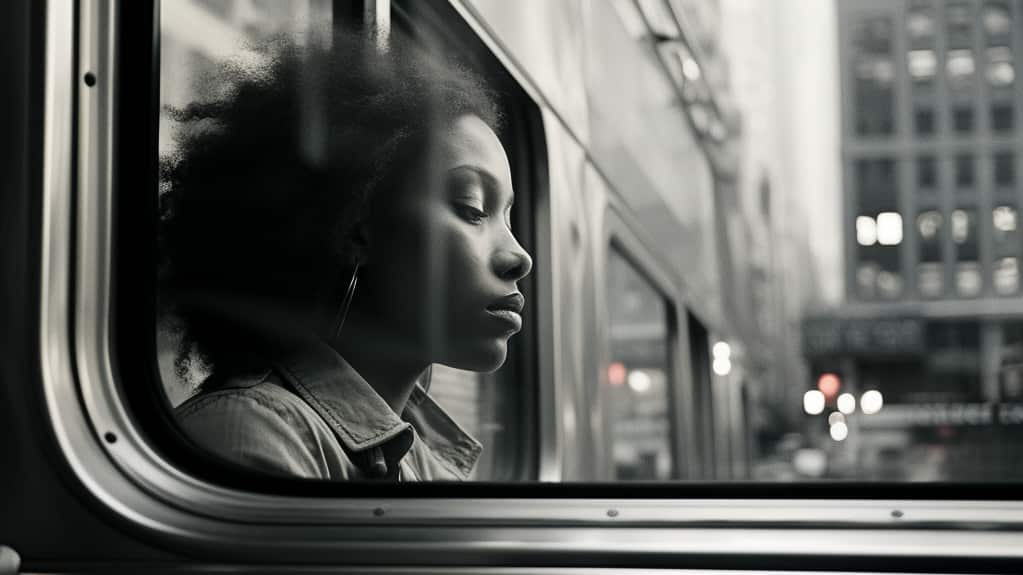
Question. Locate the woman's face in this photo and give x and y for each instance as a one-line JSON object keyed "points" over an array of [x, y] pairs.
{"points": [[442, 269]]}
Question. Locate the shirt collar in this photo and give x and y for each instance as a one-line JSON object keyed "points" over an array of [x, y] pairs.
{"points": [[362, 420]]}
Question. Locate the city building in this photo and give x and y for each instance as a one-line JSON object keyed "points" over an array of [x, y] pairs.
{"points": [[932, 154]]}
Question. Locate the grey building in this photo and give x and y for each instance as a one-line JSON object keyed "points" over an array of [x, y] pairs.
{"points": [[932, 154]]}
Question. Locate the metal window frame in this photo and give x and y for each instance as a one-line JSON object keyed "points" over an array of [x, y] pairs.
{"points": [[127, 479]]}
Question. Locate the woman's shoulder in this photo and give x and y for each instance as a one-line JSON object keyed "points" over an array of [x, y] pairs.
{"points": [[256, 421], [227, 394]]}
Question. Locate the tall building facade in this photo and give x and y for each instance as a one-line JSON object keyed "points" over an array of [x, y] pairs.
{"points": [[932, 153]]}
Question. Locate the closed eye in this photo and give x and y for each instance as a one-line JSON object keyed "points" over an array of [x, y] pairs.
{"points": [[470, 214]]}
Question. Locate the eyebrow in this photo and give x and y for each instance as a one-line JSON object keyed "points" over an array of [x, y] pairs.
{"points": [[489, 181]]}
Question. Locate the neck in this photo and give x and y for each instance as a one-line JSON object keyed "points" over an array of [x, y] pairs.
{"points": [[374, 355]]}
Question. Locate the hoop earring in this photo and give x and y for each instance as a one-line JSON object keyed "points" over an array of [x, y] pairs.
{"points": [[342, 312]]}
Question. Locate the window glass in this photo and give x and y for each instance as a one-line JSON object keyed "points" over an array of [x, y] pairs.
{"points": [[965, 174], [1005, 169], [854, 262], [311, 295], [923, 120], [874, 77], [639, 384], [926, 172], [962, 118], [1002, 119]]}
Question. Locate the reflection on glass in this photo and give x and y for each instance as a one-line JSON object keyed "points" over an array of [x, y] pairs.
{"points": [[638, 392]]}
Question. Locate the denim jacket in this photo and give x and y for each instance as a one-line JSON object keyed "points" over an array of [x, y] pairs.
{"points": [[312, 415]]}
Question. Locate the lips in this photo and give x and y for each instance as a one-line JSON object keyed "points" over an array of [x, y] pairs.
{"points": [[507, 311], [513, 302]]}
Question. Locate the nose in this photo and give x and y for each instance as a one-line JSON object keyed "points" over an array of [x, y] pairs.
{"points": [[511, 262]]}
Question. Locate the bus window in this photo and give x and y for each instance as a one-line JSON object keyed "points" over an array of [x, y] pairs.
{"points": [[309, 275], [639, 382]]}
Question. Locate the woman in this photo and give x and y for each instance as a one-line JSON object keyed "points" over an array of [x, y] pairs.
{"points": [[334, 224]]}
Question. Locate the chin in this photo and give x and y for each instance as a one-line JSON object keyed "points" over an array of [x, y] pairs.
{"points": [[484, 357]]}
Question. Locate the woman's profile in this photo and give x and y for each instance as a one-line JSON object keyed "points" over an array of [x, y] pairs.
{"points": [[334, 223]]}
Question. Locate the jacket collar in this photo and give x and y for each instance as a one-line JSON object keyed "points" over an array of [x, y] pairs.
{"points": [[362, 420]]}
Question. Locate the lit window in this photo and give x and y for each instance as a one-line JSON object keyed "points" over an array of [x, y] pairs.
{"points": [[866, 231], [889, 228], [922, 64], [920, 25], [960, 226], [866, 279], [1000, 70], [1006, 276], [889, 284], [930, 279], [1004, 218], [960, 68], [929, 223], [968, 279], [997, 21]]}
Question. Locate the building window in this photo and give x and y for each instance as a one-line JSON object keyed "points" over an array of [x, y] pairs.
{"points": [[965, 237], [1002, 117], [960, 68], [959, 24], [1006, 276], [962, 118], [1005, 273], [920, 25], [969, 281], [930, 280], [923, 121], [873, 78], [1001, 72], [923, 65], [929, 230], [876, 185], [875, 282], [1005, 224], [997, 22], [927, 173], [1005, 169], [965, 176], [639, 383]]}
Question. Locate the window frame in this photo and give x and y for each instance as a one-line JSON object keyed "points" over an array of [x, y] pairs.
{"points": [[619, 238], [113, 464]]}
